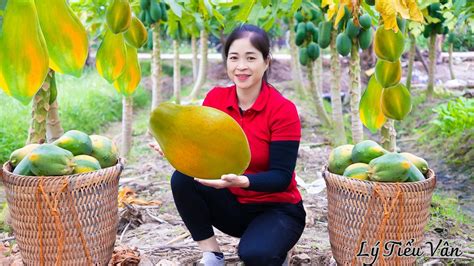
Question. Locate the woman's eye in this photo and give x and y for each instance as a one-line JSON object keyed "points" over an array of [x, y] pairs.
{"points": [[233, 58], [251, 58]]}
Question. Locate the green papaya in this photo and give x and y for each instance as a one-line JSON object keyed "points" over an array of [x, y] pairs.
{"points": [[401, 23], [155, 11], [118, 16], [370, 2], [419, 162], [17, 155], [200, 141], [391, 167], [343, 44], [75, 141], [85, 164], [388, 44], [299, 17], [316, 35], [428, 30], [414, 174], [366, 150], [310, 27], [351, 29], [340, 159], [148, 19], [451, 37], [301, 28], [128, 82], [104, 150], [164, 14], [370, 112], [313, 51], [357, 171], [24, 57], [396, 102], [142, 16], [316, 14], [144, 4], [388, 74], [24, 167], [325, 34], [111, 56], [51, 160], [65, 36], [438, 28], [434, 9], [303, 56], [365, 21], [445, 30], [136, 35], [300, 37], [365, 38]]}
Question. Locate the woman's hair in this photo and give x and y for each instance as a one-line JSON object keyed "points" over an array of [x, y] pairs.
{"points": [[258, 38]]}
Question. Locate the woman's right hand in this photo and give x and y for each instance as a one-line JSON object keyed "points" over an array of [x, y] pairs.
{"points": [[157, 148]]}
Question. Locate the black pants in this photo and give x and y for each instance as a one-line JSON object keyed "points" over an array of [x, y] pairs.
{"points": [[267, 231]]}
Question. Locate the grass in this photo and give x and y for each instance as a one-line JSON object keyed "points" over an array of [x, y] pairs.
{"points": [[167, 68], [445, 206]]}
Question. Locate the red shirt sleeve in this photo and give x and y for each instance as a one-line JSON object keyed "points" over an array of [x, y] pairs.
{"points": [[210, 98], [285, 123]]}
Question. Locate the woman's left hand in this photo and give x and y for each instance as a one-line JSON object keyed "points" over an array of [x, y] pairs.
{"points": [[229, 180]]}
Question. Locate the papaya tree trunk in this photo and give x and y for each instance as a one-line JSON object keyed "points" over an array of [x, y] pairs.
{"points": [[336, 103], [389, 136], [194, 57], [316, 97], [296, 72], [176, 73], [54, 130], [157, 94], [411, 60], [319, 73], [39, 113], [451, 71], [127, 120], [432, 64], [354, 73], [202, 66]]}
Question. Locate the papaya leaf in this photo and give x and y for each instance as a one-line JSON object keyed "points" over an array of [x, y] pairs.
{"points": [[245, 10], [175, 7]]}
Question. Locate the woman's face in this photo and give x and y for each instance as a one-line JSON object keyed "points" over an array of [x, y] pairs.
{"points": [[245, 64]]}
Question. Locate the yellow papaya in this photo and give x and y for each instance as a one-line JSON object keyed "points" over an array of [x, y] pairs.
{"points": [[51, 160], [388, 74], [396, 102], [418, 162], [104, 150], [388, 44], [136, 35], [85, 164], [340, 158], [127, 83], [119, 16], [391, 167], [66, 37], [19, 154], [200, 141], [357, 171], [367, 150], [23, 52], [370, 112], [111, 56]]}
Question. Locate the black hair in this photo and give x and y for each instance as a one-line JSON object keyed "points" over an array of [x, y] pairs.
{"points": [[258, 38]]}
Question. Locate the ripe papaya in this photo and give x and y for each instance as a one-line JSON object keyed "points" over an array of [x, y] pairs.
{"points": [[200, 141], [104, 150], [357, 171], [66, 37], [414, 174], [111, 56], [17, 155], [351, 29], [155, 11], [388, 44], [396, 102], [340, 159], [325, 34], [370, 112], [303, 55], [24, 167], [388, 74], [418, 162], [313, 51], [343, 44], [51, 160], [85, 164], [24, 57], [118, 16], [391, 167], [367, 150], [365, 38], [75, 141], [365, 21], [128, 82], [136, 35]]}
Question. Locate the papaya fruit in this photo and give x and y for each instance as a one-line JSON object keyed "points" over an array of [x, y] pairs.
{"points": [[23, 167], [316, 14], [299, 17], [144, 4], [340, 159], [303, 56], [149, 44], [136, 35], [388, 44], [155, 11], [325, 34], [200, 141], [142, 16], [365, 21], [164, 14], [315, 35], [401, 23], [396, 102], [388, 74], [414, 174], [357, 171], [370, 2], [418, 162], [310, 27], [65, 36], [301, 28], [104, 150], [428, 30], [343, 44], [24, 57], [451, 37], [111, 56], [128, 82], [351, 29], [85, 164], [17, 155], [438, 28], [118, 16], [51, 160], [370, 112], [391, 167], [299, 38], [365, 38], [75, 141], [367, 150], [313, 51]]}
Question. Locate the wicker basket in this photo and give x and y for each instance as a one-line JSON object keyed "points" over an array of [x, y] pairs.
{"points": [[368, 211], [64, 220]]}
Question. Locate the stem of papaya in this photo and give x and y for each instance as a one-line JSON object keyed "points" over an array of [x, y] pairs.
{"points": [[336, 102], [296, 72], [389, 136], [355, 90], [39, 113], [411, 60], [316, 97], [451, 71], [157, 94], [127, 120], [431, 67]]}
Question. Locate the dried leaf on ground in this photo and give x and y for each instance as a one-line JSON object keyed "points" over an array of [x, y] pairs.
{"points": [[128, 196]]}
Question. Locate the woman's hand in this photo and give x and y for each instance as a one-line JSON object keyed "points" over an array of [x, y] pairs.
{"points": [[229, 180], [157, 148]]}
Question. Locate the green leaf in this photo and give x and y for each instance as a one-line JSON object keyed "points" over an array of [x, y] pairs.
{"points": [[296, 4], [175, 7], [245, 10]]}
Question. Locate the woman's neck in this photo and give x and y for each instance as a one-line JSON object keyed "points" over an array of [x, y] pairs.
{"points": [[247, 97]]}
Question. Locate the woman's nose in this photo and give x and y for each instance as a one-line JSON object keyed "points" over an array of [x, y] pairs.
{"points": [[241, 65]]}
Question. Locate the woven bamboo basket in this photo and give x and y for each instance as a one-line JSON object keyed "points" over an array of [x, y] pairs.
{"points": [[365, 211], [64, 220]]}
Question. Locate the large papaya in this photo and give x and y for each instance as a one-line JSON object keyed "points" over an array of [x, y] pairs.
{"points": [[66, 37], [19, 154], [111, 56], [391, 167], [414, 174], [388, 74], [23, 53], [365, 21], [367, 150], [51, 160], [155, 11], [76, 142], [419, 162], [370, 112], [343, 44], [200, 141], [119, 16], [24, 167], [127, 83], [85, 164], [104, 150], [313, 51], [303, 56], [340, 159], [388, 44], [352, 30], [136, 35], [365, 38], [357, 171], [396, 102]]}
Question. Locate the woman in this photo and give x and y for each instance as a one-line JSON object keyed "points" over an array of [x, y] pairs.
{"points": [[263, 206]]}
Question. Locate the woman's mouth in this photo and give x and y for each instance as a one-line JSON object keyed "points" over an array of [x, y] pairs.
{"points": [[242, 77]]}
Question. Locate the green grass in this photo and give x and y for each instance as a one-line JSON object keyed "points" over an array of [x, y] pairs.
{"points": [[167, 68], [85, 104], [443, 207]]}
